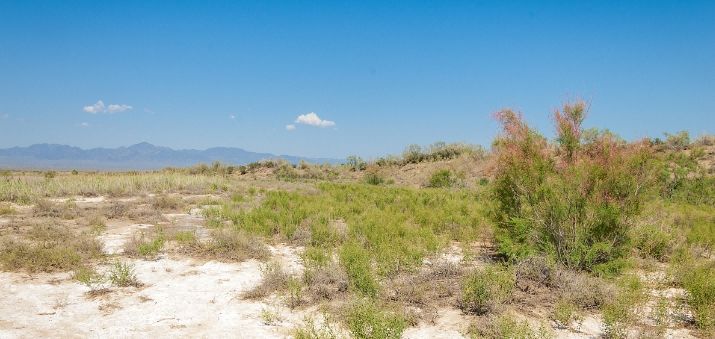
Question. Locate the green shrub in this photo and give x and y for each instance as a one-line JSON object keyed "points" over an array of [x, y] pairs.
{"points": [[356, 261], [575, 201], [366, 321], [445, 178], [373, 178], [652, 241], [122, 274], [286, 172], [699, 281], [485, 290]]}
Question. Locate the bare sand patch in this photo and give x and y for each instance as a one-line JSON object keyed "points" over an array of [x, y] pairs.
{"points": [[171, 303]]}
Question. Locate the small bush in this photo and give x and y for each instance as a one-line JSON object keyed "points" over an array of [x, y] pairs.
{"points": [[652, 241], [705, 140], [373, 178], [89, 277], [486, 290], [504, 326], [325, 282], [699, 281], [678, 141], [96, 224], [621, 312], [122, 274], [273, 278], [565, 313], [366, 321], [445, 178], [46, 208], [356, 261], [168, 203]]}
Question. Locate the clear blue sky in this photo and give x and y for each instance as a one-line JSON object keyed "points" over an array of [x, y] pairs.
{"points": [[199, 74]]}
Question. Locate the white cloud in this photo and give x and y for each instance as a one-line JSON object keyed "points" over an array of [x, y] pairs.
{"points": [[290, 127], [118, 108], [5, 116], [100, 108], [84, 124], [313, 120], [148, 111], [232, 117], [96, 108]]}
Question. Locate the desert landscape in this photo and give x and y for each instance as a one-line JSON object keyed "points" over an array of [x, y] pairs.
{"points": [[427, 244]]}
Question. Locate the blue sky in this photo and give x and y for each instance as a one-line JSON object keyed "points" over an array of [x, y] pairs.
{"points": [[199, 74]]}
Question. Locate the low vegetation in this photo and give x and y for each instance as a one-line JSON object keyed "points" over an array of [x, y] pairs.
{"points": [[581, 227]]}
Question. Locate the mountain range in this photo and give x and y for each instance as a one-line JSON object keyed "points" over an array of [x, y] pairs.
{"points": [[142, 156]]}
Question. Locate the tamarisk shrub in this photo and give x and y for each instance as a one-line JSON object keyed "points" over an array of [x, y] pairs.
{"points": [[574, 198]]}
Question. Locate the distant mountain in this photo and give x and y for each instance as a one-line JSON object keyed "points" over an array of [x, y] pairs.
{"points": [[142, 156]]}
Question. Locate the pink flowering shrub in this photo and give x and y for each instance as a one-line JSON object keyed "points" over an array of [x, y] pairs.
{"points": [[574, 198]]}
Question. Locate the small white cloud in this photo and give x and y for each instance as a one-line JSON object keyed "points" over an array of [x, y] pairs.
{"points": [[148, 111], [118, 108], [290, 127], [100, 108], [84, 124], [313, 120], [231, 116], [96, 108], [5, 116]]}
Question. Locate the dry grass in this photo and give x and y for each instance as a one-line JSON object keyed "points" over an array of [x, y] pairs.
{"points": [[66, 210], [51, 247], [273, 278], [30, 189], [224, 245], [325, 282]]}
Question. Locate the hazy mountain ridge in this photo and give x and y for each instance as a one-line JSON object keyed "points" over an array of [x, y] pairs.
{"points": [[140, 156]]}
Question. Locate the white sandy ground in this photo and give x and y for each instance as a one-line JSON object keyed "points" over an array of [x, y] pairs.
{"points": [[185, 298], [179, 299]]}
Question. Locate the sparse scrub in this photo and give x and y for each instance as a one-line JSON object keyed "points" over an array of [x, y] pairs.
{"points": [[621, 312], [53, 247], [96, 224], [505, 326], [122, 274], [6, 209], [699, 280], [168, 203], [143, 245], [325, 282], [446, 178], [273, 278], [90, 278], [677, 141], [366, 320], [46, 208], [486, 290], [705, 139], [311, 330], [27, 191]]}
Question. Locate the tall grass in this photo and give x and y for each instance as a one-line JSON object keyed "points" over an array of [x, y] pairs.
{"points": [[113, 184]]}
